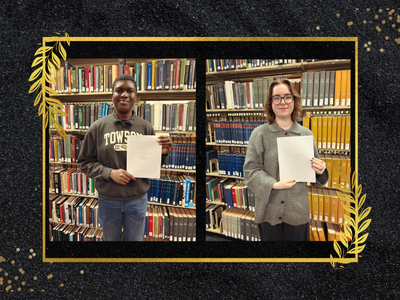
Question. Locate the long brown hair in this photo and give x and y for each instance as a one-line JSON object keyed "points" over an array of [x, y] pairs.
{"points": [[297, 101]]}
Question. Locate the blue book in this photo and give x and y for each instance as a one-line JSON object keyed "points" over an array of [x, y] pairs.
{"points": [[221, 92], [146, 227], [218, 65], [138, 76], [149, 75], [147, 112], [189, 86]]}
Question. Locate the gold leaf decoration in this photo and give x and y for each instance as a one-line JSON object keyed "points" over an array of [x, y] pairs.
{"points": [[48, 61], [350, 241]]}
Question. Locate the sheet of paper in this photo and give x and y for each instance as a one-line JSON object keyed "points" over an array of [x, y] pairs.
{"points": [[143, 156], [294, 155]]}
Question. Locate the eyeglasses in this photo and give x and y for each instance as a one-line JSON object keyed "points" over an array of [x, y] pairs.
{"points": [[278, 99]]}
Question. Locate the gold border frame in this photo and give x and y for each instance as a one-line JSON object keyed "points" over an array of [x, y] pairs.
{"points": [[200, 39]]}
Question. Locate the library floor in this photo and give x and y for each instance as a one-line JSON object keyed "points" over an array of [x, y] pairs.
{"points": [[214, 238]]}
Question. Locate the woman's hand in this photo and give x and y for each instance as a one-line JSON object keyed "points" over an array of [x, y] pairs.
{"points": [[318, 165], [284, 184]]}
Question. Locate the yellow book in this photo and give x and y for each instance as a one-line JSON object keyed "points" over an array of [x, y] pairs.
{"points": [[338, 132], [324, 131], [340, 212], [327, 205], [155, 223], [348, 171], [314, 127], [314, 195], [338, 83], [314, 231], [334, 206], [335, 173], [153, 75], [306, 122], [319, 139], [321, 232], [347, 133], [114, 72], [331, 232], [320, 204], [328, 161], [329, 132], [334, 132], [343, 165], [348, 88], [310, 200], [342, 134], [343, 87]]}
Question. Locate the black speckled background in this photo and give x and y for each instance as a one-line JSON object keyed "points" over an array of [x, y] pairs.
{"points": [[24, 23]]}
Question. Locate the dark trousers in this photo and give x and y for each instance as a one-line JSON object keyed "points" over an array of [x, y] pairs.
{"points": [[284, 232]]}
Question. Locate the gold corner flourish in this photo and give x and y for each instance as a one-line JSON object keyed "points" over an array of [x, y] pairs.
{"points": [[350, 240], [47, 58]]}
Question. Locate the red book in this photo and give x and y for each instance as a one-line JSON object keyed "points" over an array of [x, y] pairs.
{"points": [[87, 84], [234, 196], [219, 192], [94, 79], [127, 70], [181, 108], [150, 222]]}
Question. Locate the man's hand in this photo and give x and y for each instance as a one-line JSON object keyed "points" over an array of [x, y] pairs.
{"points": [[284, 184], [121, 176], [166, 144]]}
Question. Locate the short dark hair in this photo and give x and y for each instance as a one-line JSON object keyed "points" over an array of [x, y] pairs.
{"points": [[124, 77], [297, 101]]}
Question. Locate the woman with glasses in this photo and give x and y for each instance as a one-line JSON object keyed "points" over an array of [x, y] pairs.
{"points": [[282, 206]]}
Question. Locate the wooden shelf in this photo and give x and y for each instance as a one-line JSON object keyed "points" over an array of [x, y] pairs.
{"points": [[225, 145]]}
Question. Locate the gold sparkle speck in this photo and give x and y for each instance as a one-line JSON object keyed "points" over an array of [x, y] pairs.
{"points": [[377, 28], [376, 16], [50, 276], [350, 23], [356, 8], [31, 250], [317, 27], [383, 21], [337, 15], [33, 254], [13, 262], [369, 43], [82, 272], [6, 274], [23, 283], [368, 49], [393, 25], [9, 281], [368, 9], [365, 21], [18, 249], [19, 289], [8, 288], [390, 18], [1, 269], [380, 10], [386, 37], [21, 271], [16, 277], [382, 50], [30, 256], [34, 278], [398, 30], [62, 284], [31, 290], [2, 259]]}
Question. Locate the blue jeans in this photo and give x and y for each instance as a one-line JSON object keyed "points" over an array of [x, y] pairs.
{"points": [[129, 214]]}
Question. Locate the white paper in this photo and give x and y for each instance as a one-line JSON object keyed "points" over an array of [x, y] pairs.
{"points": [[143, 156], [294, 155]]}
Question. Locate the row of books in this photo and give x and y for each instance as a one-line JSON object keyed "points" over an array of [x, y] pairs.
{"points": [[326, 88], [170, 223], [181, 157], [340, 160], [169, 116], [61, 150], [326, 206], [234, 132], [213, 65], [173, 190], [239, 223], [330, 131], [71, 181], [230, 193], [62, 232], [75, 210], [225, 163], [152, 75], [82, 115], [321, 231]]}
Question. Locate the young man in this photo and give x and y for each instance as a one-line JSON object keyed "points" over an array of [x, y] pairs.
{"points": [[122, 197]]}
